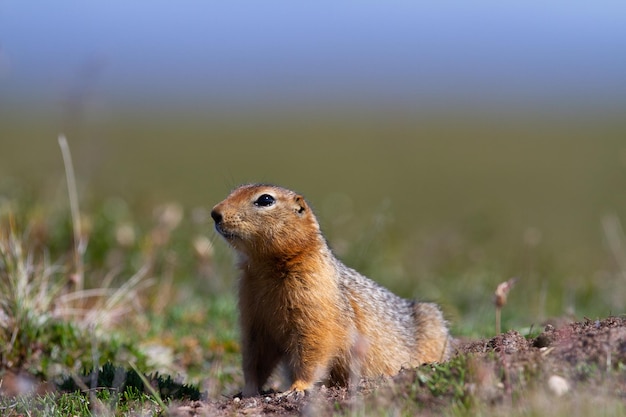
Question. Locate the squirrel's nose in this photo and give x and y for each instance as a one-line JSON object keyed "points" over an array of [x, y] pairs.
{"points": [[217, 216]]}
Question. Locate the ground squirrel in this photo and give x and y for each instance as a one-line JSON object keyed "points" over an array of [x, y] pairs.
{"points": [[301, 306]]}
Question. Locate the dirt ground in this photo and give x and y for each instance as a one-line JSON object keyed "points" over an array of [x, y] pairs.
{"points": [[565, 359]]}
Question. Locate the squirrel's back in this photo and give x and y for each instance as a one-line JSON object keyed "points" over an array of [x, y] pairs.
{"points": [[301, 306], [398, 332]]}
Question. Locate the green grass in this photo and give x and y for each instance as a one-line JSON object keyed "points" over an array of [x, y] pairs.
{"points": [[128, 395], [104, 402]]}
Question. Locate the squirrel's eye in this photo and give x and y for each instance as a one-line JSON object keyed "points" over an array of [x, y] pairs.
{"points": [[265, 200]]}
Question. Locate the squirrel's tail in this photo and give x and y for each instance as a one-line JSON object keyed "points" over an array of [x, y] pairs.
{"points": [[433, 342]]}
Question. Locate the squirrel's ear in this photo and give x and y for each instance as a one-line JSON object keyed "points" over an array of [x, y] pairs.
{"points": [[300, 206]]}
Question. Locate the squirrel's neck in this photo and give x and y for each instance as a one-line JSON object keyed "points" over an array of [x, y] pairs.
{"points": [[301, 262]]}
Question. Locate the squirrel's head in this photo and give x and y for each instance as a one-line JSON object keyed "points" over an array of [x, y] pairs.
{"points": [[261, 220]]}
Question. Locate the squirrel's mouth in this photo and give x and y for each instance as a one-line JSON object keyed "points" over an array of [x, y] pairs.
{"points": [[225, 233]]}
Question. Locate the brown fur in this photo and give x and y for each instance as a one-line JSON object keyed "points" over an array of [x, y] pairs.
{"points": [[301, 306]]}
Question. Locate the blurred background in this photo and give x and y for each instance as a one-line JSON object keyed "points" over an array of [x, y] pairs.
{"points": [[445, 146]]}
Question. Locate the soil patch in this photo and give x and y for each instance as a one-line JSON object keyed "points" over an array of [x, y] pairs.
{"points": [[503, 372]]}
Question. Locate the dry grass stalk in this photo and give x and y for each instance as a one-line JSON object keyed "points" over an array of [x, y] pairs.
{"points": [[80, 243], [31, 288], [500, 298], [614, 234]]}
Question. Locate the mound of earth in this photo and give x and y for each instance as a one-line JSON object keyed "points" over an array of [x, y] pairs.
{"points": [[564, 360]]}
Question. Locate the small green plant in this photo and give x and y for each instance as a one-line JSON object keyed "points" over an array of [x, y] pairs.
{"points": [[445, 379], [127, 382]]}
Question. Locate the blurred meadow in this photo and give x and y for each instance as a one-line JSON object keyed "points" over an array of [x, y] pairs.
{"points": [[439, 173], [437, 206]]}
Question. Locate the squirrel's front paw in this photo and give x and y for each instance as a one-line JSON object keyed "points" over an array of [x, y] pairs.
{"points": [[298, 390], [293, 394]]}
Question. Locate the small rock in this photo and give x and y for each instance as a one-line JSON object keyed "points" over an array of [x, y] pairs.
{"points": [[558, 385]]}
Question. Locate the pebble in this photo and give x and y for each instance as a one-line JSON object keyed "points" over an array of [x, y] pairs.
{"points": [[558, 385]]}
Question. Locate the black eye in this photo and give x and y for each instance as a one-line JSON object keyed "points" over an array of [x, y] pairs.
{"points": [[265, 200]]}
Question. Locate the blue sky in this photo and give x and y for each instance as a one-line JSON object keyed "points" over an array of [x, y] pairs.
{"points": [[289, 50]]}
